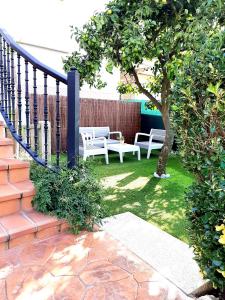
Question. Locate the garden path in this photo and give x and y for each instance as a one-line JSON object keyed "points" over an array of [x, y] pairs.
{"points": [[87, 266]]}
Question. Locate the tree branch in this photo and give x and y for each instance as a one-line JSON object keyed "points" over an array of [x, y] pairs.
{"points": [[145, 91], [165, 88], [138, 83]]}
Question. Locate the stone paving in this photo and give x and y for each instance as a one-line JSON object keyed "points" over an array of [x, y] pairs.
{"points": [[89, 266]]}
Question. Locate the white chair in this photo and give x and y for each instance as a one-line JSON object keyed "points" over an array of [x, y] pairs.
{"points": [[97, 132], [156, 138], [90, 147]]}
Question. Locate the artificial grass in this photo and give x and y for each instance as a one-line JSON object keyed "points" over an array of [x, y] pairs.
{"points": [[131, 187]]}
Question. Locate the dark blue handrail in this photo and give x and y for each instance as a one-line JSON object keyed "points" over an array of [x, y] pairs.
{"points": [[9, 93], [31, 59]]}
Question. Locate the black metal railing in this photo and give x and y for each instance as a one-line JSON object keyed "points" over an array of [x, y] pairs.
{"points": [[19, 73]]}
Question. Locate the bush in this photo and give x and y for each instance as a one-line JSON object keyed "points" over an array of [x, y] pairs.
{"points": [[71, 194], [199, 119]]}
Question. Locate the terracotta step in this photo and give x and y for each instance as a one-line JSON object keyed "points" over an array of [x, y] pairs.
{"points": [[23, 227], [3, 173], [6, 148], [2, 129], [17, 170], [3, 238], [27, 191], [10, 199], [16, 197]]}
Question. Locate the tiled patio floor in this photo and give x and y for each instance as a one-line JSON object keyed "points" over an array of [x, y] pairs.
{"points": [[90, 266]]}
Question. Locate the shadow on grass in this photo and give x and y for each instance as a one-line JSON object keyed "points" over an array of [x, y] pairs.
{"points": [[131, 187]]}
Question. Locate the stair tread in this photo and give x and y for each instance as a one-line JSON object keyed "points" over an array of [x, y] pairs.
{"points": [[15, 190], [3, 235], [42, 221], [12, 163], [6, 141], [22, 223], [8, 192], [17, 225], [3, 166], [25, 187]]}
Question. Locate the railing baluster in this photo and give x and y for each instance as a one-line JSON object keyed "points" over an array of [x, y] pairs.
{"points": [[57, 123], [35, 106], [46, 118], [16, 108], [5, 77], [1, 73], [13, 90], [19, 91], [27, 104], [9, 84]]}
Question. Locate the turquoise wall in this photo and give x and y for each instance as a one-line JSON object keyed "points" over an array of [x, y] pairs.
{"points": [[147, 111]]}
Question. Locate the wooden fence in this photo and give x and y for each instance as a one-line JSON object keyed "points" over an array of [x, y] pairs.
{"points": [[118, 115]]}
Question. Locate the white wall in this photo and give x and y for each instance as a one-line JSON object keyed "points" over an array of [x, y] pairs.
{"points": [[54, 59], [46, 23]]}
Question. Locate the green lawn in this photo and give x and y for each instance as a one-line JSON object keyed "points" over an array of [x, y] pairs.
{"points": [[131, 187]]}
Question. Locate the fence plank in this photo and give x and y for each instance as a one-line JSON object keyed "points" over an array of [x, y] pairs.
{"points": [[118, 115]]}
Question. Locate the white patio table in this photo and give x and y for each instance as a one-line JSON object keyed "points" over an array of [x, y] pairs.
{"points": [[122, 148]]}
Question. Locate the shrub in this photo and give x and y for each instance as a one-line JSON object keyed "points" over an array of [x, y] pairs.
{"points": [[71, 194], [199, 119]]}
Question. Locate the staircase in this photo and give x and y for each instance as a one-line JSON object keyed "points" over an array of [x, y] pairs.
{"points": [[19, 223], [22, 77]]}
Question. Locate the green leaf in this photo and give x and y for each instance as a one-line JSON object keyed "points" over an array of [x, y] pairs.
{"points": [[109, 67], [214, 89]]}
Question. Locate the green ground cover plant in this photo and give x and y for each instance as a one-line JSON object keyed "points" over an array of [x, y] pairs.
{"points": [[71, 194]]}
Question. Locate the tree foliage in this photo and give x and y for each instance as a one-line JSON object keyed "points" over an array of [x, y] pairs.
{"points": [[199, 119], [129, 33]]}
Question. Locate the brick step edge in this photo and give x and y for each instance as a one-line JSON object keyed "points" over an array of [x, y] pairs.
{"points": [[24, 227]]}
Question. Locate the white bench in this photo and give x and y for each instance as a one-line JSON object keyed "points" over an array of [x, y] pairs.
{"points": [[155, 140], [96, 132]]}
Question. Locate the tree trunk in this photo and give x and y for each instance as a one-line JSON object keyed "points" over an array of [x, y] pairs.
{"points": [[168, 143]]}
